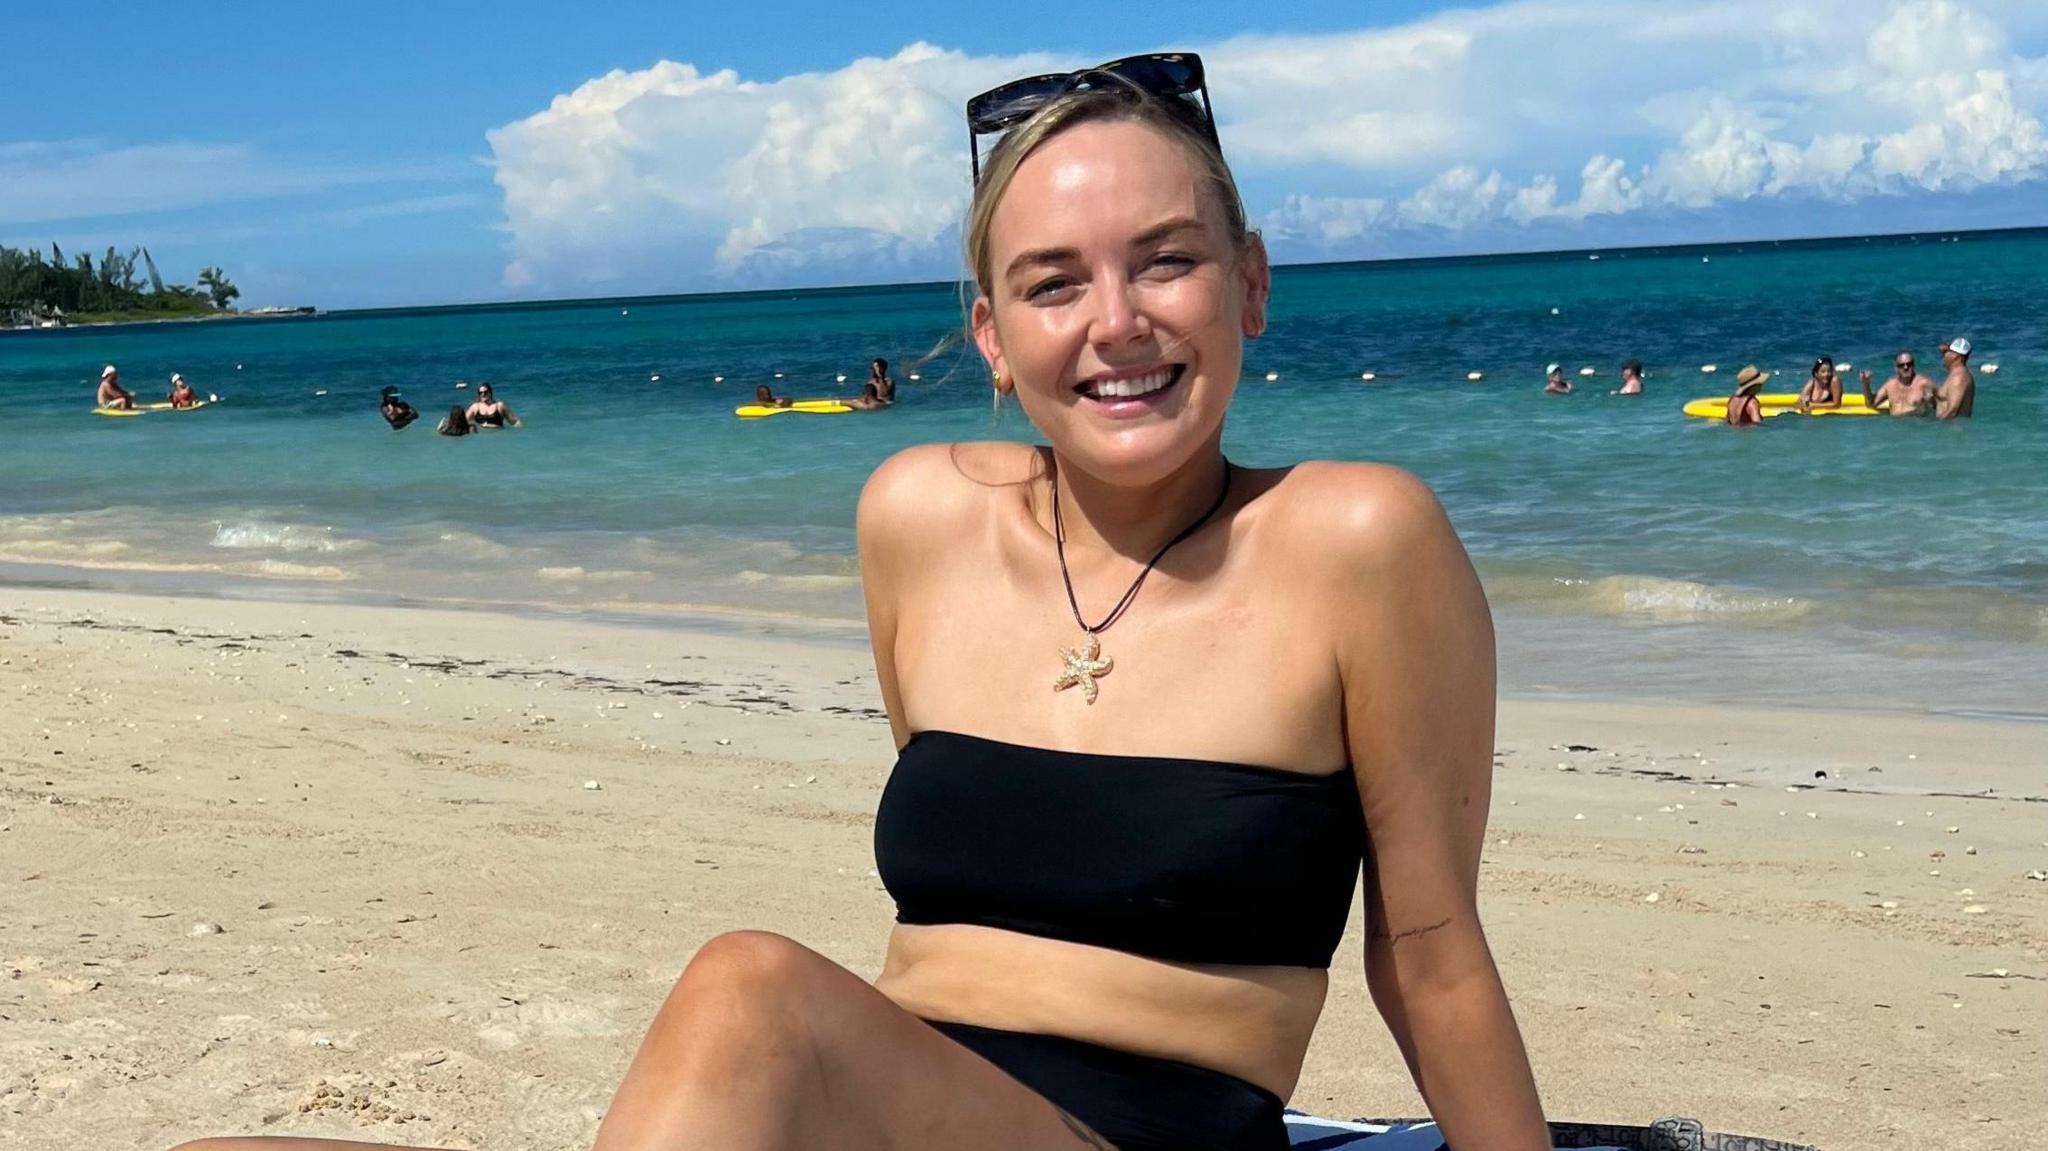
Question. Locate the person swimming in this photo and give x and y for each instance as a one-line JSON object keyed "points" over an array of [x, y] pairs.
{"points": [[455, 423], [396, 411], [181, 394], [1631, 379], [765, 396], [878, 379], [1554, 383]]}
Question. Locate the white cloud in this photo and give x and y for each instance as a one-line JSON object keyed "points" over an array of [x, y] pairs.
{"points": [[1467, 119]]}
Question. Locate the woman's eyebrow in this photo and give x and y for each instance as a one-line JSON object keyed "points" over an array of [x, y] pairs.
{"points": [[1146, 238]]}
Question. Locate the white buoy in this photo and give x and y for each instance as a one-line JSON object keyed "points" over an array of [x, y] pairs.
{"points": [[1271, 376], [1368, 377], [1706, 259], [1556, 312], [320, 392], [913, 375], [841, 377], [1990, 369], [1475, 377], [1585, 371], [624, 312], [718, 379], [238, 367], [211, 398], [459, 385], [655, 378], [1710, 369], [1844, 367], [778, 375], [1594, 256]]}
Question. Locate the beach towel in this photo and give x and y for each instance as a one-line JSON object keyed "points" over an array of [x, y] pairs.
{"points": [[1309, 1133]]}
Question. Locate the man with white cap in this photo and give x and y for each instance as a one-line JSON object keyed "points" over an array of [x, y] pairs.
{"points": [[112, 394], [1957, 396], [1907, 394], [1554, 383]]}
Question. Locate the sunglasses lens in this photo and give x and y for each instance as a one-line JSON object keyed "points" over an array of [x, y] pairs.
{"points": [[1012, 103]]}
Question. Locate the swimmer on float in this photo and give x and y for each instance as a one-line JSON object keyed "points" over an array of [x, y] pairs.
{"points": [[111, 394], [766, 397], [181, 394], [1823, 387], [1123, 841]]}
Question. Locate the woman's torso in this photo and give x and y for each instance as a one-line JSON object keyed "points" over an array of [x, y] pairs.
{"points": [[1225, 657]]}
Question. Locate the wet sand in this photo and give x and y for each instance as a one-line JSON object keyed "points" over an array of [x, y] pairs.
{"points": [[423, 875]]}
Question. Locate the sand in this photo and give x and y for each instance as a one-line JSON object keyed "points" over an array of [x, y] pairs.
{"points": [[416, 875]]}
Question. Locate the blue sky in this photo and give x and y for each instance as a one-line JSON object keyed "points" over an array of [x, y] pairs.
{"points": [[384, 153]]}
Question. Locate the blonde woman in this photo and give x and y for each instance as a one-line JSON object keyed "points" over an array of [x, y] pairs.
{"points": [[1124, 829]]}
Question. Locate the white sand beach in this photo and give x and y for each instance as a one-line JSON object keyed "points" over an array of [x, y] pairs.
{"points": [[421, 875]]}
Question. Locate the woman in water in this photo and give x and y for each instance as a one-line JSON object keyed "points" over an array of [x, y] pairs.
{"points": [[878, 379], [1744, 409], [455, 423], [1823, 388], [1123, 830]]}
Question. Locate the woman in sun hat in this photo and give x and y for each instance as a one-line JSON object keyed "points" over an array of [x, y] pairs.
{"points": [[1744, 409], [1123, 831]]}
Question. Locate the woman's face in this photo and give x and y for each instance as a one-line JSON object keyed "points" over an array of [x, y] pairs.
{"points": [[1118, 304]]}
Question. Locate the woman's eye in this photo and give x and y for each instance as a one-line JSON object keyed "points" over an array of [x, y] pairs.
{"points": [[1171, 262], [1048, 288]]}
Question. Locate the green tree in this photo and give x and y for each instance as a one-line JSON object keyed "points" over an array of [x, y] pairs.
{"points": [[218, 286]]}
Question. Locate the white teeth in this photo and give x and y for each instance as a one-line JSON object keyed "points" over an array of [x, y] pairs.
{"points": [[1136, 386]]}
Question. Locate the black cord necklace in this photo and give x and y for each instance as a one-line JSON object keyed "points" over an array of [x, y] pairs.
{"points": [[1086, 664]]}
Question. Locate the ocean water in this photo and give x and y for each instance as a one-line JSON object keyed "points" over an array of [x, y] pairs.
{"points": [[1627, 550]]}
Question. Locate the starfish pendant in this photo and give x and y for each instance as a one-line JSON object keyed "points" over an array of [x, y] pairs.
{"points": [[1084, 665]]}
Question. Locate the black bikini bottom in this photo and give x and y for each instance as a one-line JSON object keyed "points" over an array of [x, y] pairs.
{"points": [[1136, 1102]]}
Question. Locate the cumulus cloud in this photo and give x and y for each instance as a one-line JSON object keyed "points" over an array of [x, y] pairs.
{"points": [[1534, 112]]}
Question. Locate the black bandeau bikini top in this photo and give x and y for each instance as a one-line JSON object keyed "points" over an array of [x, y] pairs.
{"points": [[1185, 860]]}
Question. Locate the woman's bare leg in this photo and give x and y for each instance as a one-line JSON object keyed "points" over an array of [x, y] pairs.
{"points": [[765, 1045]]}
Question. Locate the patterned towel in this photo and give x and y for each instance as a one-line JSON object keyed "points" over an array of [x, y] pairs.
{"points": [[1308, 1133]]}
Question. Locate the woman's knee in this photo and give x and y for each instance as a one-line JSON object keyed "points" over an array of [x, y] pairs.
{"points": [[755, 966]]}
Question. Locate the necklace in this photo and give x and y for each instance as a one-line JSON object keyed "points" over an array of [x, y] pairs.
{"points": [[1085, 664]]}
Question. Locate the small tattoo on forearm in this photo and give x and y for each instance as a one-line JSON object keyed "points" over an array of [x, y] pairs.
{"points": [[1379, 931], [1081, 1132]]}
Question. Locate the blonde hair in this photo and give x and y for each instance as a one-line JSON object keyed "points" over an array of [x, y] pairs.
{"points": [[1098, 105]]}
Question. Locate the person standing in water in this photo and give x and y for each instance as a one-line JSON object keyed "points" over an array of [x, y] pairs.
{"points": [[1823, 387], [111, 393], [878, 379], [1631, 379], [1957, 396], [1554, 383], [396, 411], [489, 411], [1744, 409], [1907, 394]]}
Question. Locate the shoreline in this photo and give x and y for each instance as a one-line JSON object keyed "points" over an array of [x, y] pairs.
{"points": [[424, 909], [201, 318]]}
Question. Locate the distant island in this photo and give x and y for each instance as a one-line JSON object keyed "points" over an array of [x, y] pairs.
{"points": [[50, 293]]}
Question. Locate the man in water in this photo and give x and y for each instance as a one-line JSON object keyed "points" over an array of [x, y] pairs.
{"points": [[878, 375], [489, 411], [396, 412], [181, 394], [1907, 394], [1631, 379], [112, 394], [1555, 384], [1957, 396], [765, 397]]}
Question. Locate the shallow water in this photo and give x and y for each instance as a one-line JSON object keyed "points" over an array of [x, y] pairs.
{"points": [[1626, 548]]}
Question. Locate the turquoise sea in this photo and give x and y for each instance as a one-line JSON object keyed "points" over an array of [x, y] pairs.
{"points": [[1627, 550]]}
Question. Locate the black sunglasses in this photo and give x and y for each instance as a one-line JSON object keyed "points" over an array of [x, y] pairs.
{"points": [[1173, 76]]}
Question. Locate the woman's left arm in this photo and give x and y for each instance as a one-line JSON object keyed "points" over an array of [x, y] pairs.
{"points": [[1417, 661]]}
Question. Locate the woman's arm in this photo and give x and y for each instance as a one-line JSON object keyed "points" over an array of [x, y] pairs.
{"points": [[1417, 663]]}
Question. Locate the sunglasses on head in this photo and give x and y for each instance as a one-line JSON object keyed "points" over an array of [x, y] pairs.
{"points": [[1175, 77]]}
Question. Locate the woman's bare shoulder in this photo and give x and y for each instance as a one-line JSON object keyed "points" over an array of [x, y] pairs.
{"points": [[1358, 513], [937, 488]]}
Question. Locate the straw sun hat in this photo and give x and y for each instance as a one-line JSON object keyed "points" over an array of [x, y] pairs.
{"points": [[1749, 381]]}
